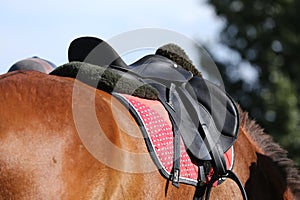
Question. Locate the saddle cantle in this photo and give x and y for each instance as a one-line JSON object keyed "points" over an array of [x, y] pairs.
{"points": [[204, 117]]}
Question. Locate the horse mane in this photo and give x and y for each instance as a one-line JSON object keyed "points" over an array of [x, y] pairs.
{"points": [[273, 150]]}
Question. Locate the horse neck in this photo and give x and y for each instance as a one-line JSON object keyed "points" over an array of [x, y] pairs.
{"points": [[261, 175]]}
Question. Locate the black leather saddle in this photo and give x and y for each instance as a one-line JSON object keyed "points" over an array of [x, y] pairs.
{"points": [[202, 114]]}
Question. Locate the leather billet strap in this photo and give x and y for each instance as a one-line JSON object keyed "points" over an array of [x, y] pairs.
{"points": [[168, 102]]}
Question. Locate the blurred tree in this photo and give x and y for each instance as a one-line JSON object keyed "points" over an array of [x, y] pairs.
{"points": [[266, 37]]}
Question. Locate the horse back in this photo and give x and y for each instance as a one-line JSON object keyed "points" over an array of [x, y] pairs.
{"points": [[43, 155]]}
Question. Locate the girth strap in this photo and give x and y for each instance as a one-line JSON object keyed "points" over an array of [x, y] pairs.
{"points": [[231, 175], [205, 190]]}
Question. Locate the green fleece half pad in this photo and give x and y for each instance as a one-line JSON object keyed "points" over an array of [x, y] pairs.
{"points": [[106, 79]]}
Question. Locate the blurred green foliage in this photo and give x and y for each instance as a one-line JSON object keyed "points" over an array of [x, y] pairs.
{"points": [[266, 35]]}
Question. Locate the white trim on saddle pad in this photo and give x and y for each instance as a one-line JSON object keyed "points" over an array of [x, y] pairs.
{"points": [[157, 130]]}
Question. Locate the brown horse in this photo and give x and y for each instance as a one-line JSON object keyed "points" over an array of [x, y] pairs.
{"points": [[44, 155]]}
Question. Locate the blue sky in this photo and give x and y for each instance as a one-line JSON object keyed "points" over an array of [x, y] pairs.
{"points": [[45, 28]]}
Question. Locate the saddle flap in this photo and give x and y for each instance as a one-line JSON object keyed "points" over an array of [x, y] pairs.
{"points": [[218, 103]]}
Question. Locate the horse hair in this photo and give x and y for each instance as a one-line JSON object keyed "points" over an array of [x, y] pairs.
{"points": [[279, 156]]}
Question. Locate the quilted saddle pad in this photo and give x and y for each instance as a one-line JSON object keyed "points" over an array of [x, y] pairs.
{"points": [[157, 130]]}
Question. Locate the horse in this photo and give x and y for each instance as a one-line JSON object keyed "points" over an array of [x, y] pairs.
{"points": [[34, 63], [44, 156]]}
